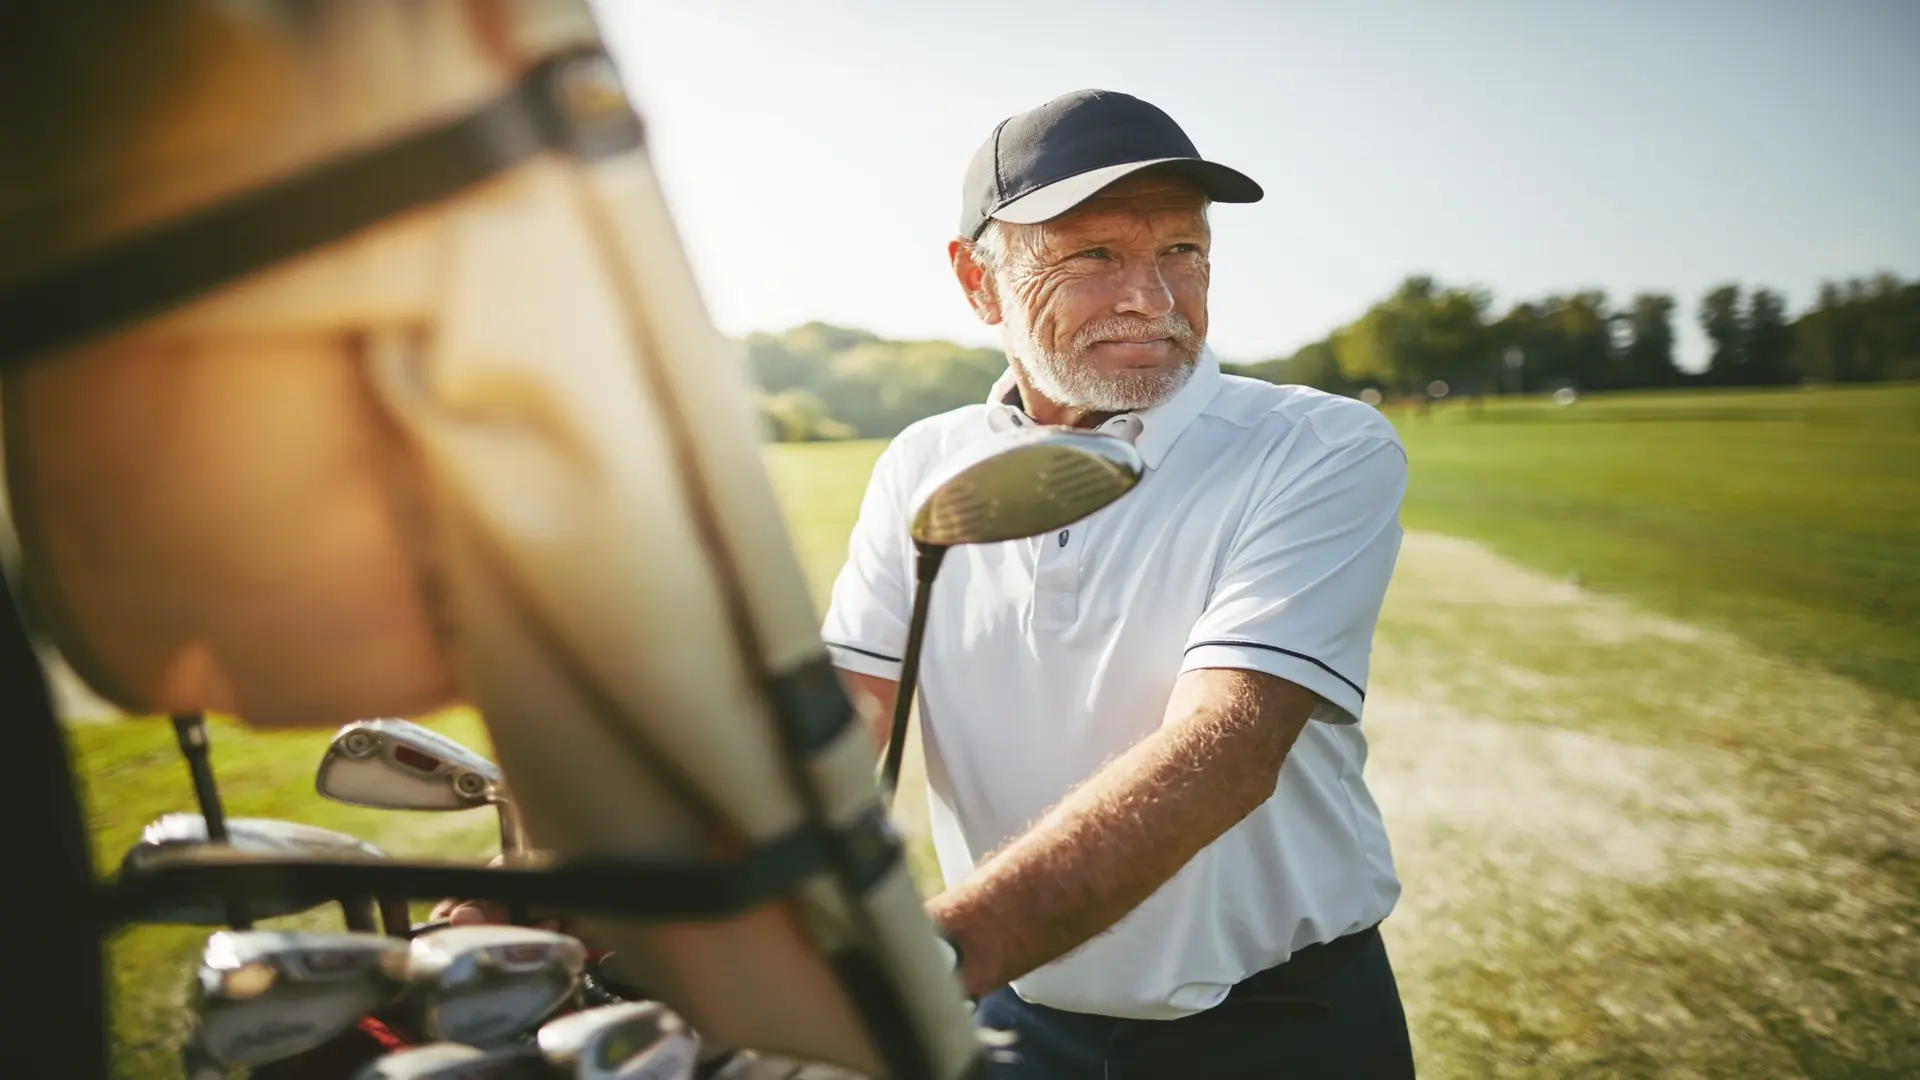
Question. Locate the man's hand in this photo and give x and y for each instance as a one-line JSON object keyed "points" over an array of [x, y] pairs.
{"points": [[477, 912], [1127, 829]]}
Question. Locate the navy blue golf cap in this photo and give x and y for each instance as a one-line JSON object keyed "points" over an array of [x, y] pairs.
{"points": [[1046, 161]]}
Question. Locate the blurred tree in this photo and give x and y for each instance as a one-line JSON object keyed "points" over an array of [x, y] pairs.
{"points": [[1861, 330], [1420, 334], [1647, 357], [825, 381], [1769, 340], [796, 415], [1314, 364], [1725, 325]]}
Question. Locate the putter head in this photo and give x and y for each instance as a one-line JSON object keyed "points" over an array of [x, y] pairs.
{"points": [[260, 836], [452, 1061], [636, 1040], [263, 995], [399, 765], [1022, 483], [484, 985]]}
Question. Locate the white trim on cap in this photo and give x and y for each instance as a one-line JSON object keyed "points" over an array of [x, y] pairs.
{"points": [[1049, 202]]}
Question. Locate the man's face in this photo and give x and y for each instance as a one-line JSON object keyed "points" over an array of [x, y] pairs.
{"points": [[1105, 307]]}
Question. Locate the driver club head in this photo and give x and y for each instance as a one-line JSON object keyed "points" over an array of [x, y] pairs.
{"points": [[635, 1040], [453, 1061], [485, 985], [260, 836], [262, 995], [1022, 483]]}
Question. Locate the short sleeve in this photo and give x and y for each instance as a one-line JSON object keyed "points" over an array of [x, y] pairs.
{"points": [[866, 625], [1300, 589]]}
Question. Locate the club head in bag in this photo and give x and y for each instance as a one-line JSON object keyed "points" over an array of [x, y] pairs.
{"points": [[1027, 482], [453, 1061], [400, 765], [485, 985], [260, 836], [264, 995], [637, 1040]]}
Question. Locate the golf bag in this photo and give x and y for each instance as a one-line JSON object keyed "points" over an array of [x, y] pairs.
{"points": [[353, 368]]}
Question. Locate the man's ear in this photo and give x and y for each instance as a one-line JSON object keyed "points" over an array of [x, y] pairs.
{"points": [[974, 280]]}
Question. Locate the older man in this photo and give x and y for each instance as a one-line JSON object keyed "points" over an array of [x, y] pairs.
{"points": [[1142, 732]]}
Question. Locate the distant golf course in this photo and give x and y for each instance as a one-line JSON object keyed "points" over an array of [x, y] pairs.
{"points": [[1645, 721]]}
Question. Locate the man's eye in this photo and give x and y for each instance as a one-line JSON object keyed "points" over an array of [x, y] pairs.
{"points": [[1183, 249], [1093, 253]]}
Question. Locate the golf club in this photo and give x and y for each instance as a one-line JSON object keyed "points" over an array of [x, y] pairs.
{"points": [[639, 1040], [263, 995], [485, 985], [452, 1061], [263, 836], [190, 731], [399, 765], [1015, 485]]}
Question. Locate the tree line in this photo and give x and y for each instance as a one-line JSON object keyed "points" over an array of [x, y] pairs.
{"points": [[1424, 339]]}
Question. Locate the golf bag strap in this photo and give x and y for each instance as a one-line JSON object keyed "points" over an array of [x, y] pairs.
{"points": [[569, 103]]}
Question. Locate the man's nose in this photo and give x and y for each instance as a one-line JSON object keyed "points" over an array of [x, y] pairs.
{"points": [[1144, 290]]}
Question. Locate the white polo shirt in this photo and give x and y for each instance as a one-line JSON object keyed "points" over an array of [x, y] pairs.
{"points": [[1261, 537]]}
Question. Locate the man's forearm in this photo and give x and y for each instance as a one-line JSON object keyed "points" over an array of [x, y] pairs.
{"points": [[1126, 831]]}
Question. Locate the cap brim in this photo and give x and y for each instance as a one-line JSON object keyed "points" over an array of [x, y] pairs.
{"points": [[1046, 203]]}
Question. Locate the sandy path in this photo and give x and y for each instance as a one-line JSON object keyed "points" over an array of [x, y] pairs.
{"points": [[1630, 846]]}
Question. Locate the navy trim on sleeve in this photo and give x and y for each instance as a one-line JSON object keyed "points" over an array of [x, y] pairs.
{"points": [[865, 652], [1316, 662]]}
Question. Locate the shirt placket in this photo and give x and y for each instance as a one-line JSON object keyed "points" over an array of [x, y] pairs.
{"points": [[1056, 578]]}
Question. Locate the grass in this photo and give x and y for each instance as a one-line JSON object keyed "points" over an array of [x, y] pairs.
{"points": [[1787, 516], [1784, 943]]}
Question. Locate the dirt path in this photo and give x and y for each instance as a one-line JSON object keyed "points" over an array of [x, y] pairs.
{"points": [[1632, 847]]}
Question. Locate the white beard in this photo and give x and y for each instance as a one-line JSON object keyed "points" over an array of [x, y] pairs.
{"points": [[1069, 380]]}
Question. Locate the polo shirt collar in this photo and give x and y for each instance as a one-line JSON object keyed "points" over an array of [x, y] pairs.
{"points": [[1152, 432]]}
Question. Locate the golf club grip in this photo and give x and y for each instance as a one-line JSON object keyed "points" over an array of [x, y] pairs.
{"points": [[927, 566], [190, 731]]}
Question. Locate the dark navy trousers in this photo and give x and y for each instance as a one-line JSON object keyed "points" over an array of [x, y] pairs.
{"points": [[1331, 1011]]}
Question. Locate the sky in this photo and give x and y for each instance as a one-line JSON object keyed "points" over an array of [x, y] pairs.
{"points": [[812, 150]]}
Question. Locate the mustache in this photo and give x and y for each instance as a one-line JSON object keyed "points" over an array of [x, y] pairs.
{"points": [[1171, 325]]}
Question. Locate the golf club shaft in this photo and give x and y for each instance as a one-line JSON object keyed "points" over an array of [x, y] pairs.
{"points": [[395, 917], [926, 568], [359, 914], [190, 730], [513, 842]]}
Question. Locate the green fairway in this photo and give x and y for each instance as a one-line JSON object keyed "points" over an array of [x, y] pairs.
{"points": [[1790, 517], [1630, 848]]}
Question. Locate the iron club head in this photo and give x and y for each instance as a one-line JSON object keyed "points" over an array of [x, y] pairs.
{"points": [[400, 765], [261, 836], [453, 1061], [263, 995], [636, 1040], [484, 985]]}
